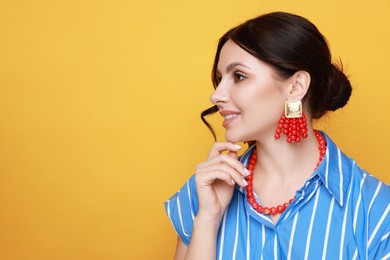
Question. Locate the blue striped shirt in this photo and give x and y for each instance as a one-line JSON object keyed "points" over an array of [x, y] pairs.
{"points": [[341, 212]]}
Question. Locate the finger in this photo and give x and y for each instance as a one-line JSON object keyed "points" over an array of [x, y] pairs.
{"points": [[208, 177], [223, 159], [223, 172], [232, 161], [218, 148], [235, 175]]}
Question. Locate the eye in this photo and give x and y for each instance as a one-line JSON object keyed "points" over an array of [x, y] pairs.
{"points": [[238, 76], [218, 79]]}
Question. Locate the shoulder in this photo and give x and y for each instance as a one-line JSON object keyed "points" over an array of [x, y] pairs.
{"points": [[375, 202], [371, 189], [343, 175], [363, 186], [370, 204]]}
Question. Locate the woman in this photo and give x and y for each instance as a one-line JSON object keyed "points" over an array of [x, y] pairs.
{"points": [[293, 194]]}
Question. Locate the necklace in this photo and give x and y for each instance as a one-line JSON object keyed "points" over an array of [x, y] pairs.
{"points": [[279, 208]]}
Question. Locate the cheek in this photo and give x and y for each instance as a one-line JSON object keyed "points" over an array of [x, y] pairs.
{"points": [[269, 97], [265, 104], [259, 96]]}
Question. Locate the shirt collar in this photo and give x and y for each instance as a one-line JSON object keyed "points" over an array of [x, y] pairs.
{"points": [[334, 170]]}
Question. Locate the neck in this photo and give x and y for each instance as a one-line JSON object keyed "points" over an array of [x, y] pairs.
{"points": [[283, 162]]}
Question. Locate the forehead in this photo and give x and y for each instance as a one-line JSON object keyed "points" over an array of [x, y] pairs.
{"points": [[232, 53]]}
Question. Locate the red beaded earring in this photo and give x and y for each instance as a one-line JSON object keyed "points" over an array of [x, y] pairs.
{"points": [[293, 122]]}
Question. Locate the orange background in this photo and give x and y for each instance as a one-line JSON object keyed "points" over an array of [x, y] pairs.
{"points": [[99, 113]]}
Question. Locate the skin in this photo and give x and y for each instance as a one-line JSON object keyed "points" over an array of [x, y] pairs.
{"points": [[251, 97]]}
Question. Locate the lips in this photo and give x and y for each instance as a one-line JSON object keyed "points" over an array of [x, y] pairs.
{"points": [[229, 117]]}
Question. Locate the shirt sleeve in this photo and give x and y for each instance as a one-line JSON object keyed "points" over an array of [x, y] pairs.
{"points": [[182, 208]]}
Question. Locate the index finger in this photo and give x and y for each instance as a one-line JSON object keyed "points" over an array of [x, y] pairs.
{"points": [[218, 148]]}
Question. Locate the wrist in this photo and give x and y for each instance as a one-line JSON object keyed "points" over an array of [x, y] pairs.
{"points": [[203, 242], [211, 222]]}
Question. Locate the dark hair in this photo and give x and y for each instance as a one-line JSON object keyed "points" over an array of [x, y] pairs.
{"points": [[289, 43]]}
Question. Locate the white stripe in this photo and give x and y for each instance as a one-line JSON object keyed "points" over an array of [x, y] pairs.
{"points": [[378, 187], [311, 194], [189, 199], [262, 239], [345, 223], [268, 219], [287, 214], [355, 217], [292, 235], [275, 248], [355, 254], [169, 210], [375, 194], [341, 176], [311, 224], [248, 244], [385, 236], [262, 236], [327, 229], [327, 168], [378, 225], [222, 236], [263, 217], [386, 257], [303, 196], [180, 217], [237, 224]]}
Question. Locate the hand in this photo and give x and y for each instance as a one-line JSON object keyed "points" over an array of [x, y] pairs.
{"points": [[215, 179]]}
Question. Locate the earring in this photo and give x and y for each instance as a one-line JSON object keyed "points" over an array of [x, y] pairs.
{"points": [[293, 122]]}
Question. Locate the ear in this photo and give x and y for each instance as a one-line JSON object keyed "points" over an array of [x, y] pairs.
{"points": [[298, 85]]}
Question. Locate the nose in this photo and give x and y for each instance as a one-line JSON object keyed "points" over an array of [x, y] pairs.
{"points": [[220, 95]]}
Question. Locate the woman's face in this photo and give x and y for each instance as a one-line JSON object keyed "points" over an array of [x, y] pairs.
{"points": [[249, 95]]}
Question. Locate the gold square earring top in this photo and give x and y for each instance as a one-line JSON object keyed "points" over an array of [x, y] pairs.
{"points": [[293, 108]]}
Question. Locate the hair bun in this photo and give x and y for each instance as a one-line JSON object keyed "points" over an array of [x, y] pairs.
{"points": [[339, 88]]}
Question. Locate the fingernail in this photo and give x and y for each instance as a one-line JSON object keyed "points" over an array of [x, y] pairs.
{"points": [[246, 171], [233, 182], [245, 182], [237, 146]]}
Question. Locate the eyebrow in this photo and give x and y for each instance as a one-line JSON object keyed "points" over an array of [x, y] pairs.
{"points": [[235, 64]]}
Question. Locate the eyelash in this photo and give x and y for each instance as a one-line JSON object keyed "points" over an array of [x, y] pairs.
{"points": [[237, 76]]}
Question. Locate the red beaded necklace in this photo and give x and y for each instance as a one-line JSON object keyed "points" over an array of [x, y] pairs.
{"points": [[249, 179]]}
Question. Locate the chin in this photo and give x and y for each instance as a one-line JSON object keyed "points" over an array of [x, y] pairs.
{"points": [[234, 138]]}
